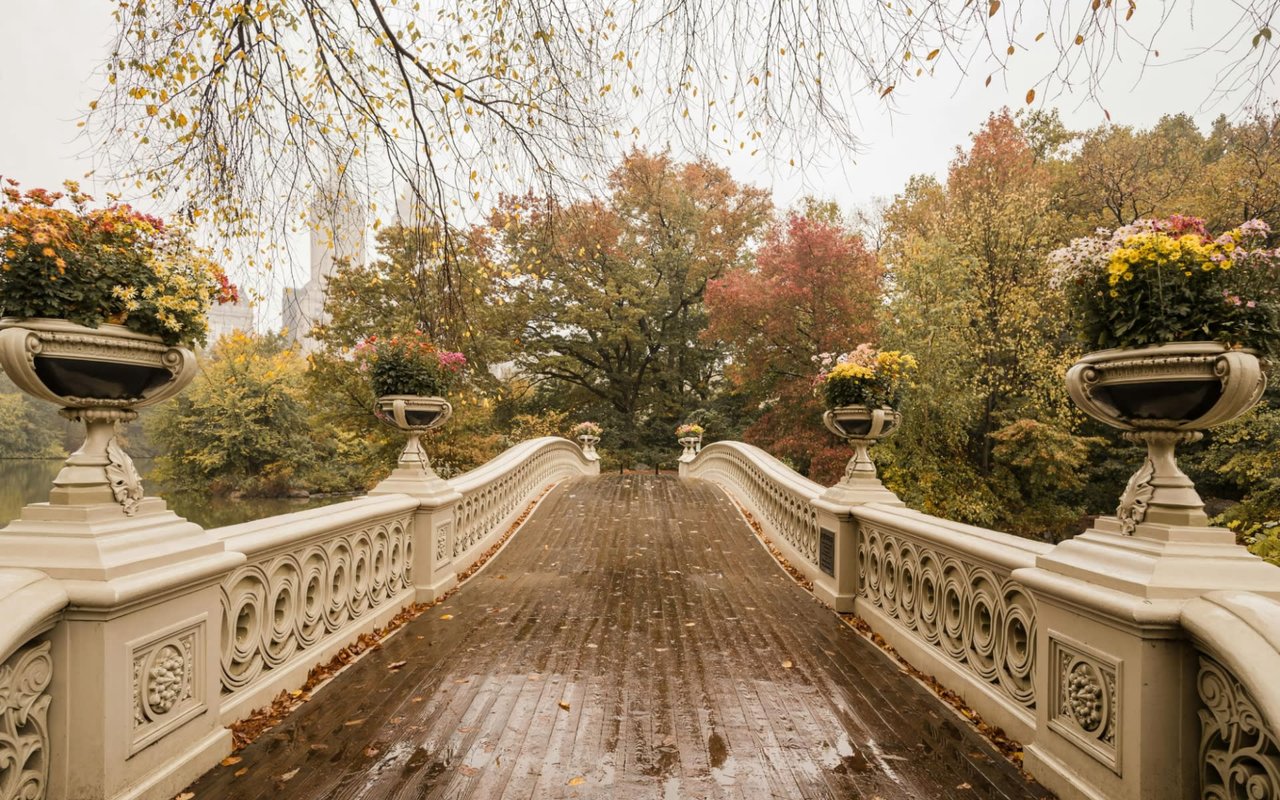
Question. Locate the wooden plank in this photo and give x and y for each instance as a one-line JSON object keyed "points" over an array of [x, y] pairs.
{"points": [[688, 665]]}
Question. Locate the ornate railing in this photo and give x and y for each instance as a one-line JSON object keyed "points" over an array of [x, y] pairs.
{"points": [[496, 492], [1237, 635], [30, 604], [779, 497], [311, 577], [948, 585]]}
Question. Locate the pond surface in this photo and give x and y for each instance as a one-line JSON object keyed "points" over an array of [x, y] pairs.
{"points": [[25, 481]]}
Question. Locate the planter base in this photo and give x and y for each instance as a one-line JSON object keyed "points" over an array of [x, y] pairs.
{"points": [[101, 543], [1159, 561]]}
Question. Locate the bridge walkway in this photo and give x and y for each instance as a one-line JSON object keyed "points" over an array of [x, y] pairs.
{"points": [[633, 640]]}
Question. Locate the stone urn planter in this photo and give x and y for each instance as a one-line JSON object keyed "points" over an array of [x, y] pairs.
{"points": [[99, 376], [861, 426], [691, 445], [414, 415], [589, 442], [1161, 396]]}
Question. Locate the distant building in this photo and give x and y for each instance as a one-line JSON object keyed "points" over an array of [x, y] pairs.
{"points": [[337, 235], [229, 317]]}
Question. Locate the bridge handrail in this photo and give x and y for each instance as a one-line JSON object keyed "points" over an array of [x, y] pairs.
{"points": [[1237, 636], [494, 493], [777, 495], [30, 605], [313, 580]]}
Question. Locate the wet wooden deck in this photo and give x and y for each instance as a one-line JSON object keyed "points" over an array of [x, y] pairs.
{"points": [[635, 641]]}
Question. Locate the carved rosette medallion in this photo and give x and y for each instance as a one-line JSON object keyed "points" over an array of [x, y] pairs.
{"points": [[24, 731], [1084, 705], [166, 684], [1239, 757]]}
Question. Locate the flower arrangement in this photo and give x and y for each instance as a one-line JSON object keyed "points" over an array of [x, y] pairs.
{"points": [[688, 430], [1171, 280], [586, 429], [864, 376], [408, 365], [112, 264]]}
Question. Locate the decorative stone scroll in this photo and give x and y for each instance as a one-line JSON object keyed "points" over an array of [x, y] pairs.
{"points": [[24, 731], [483, 508], [167, 689], [285, 603], [973, 613], [788, 512], [1239, 757], [1084, 704]]}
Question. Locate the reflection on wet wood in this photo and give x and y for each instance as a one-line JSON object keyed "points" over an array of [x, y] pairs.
{"points": [[633, 640]]}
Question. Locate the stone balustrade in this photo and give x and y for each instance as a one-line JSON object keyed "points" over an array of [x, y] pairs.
{"points": [[158, 634], [1117, 664]]}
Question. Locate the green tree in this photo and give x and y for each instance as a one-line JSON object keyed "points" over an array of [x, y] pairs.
{"points": [[242, 425], [609, 292], [25, 431]]}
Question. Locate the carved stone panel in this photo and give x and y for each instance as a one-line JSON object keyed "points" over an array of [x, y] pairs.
{"points": [[24, 731], [1239, 756], [168, 687], [443, 531], [1084, 698]]}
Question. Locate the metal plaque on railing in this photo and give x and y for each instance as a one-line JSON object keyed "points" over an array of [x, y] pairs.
{"points": [[827, 551]]}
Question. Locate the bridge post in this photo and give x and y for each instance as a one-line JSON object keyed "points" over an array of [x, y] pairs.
{"points": [[136, 652], [1116, 671], [838, 568], [433, 527]]}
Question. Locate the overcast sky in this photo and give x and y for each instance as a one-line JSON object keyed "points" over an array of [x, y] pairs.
{"points": [[50, 51]]}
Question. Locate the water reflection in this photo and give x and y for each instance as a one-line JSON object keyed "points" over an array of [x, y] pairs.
{"points": [[25, 481]]}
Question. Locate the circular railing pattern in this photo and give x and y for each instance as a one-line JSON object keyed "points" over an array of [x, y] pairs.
{"points": [[277, 606], [787, 512], [973, 613]]}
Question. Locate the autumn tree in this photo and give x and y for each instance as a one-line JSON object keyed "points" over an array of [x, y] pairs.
{"points": [[812, 288], [239, 111], [609, 291]]}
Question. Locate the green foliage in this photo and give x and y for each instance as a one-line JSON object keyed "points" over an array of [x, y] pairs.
{"points": [[23, 431], [242, 425], [1048, 468]]}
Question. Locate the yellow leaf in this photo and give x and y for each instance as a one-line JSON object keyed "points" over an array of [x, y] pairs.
{"points": [[230, 760], [577, 780], [446, 616], [888, 89], [787, 664], [993, 8], [1031, 96], [564, 705], [932, 54], [1079, 38]]}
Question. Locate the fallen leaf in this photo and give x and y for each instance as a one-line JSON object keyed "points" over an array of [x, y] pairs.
{"points": [[446, 616], [468, 771], [288, 776], [690, 624], [185, 796], [353, 722], [964, 786], [230, 760], [370, 752], [240, 772], [564, 705], [296, 693], [577, 780], [395, 665], [787, 664], [318, 747]]}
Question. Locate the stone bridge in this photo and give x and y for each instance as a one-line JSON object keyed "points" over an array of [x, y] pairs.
{"points": [[545, 631]]}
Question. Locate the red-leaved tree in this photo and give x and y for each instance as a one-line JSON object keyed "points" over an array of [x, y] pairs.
{"points": [[814, 288]]}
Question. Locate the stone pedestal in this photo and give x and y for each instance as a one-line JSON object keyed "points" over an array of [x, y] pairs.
{"points": [[1114, 671], [136, 683], [433, 525]]}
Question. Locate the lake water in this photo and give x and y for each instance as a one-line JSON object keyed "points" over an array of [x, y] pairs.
{"points": [[24, 481]]}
